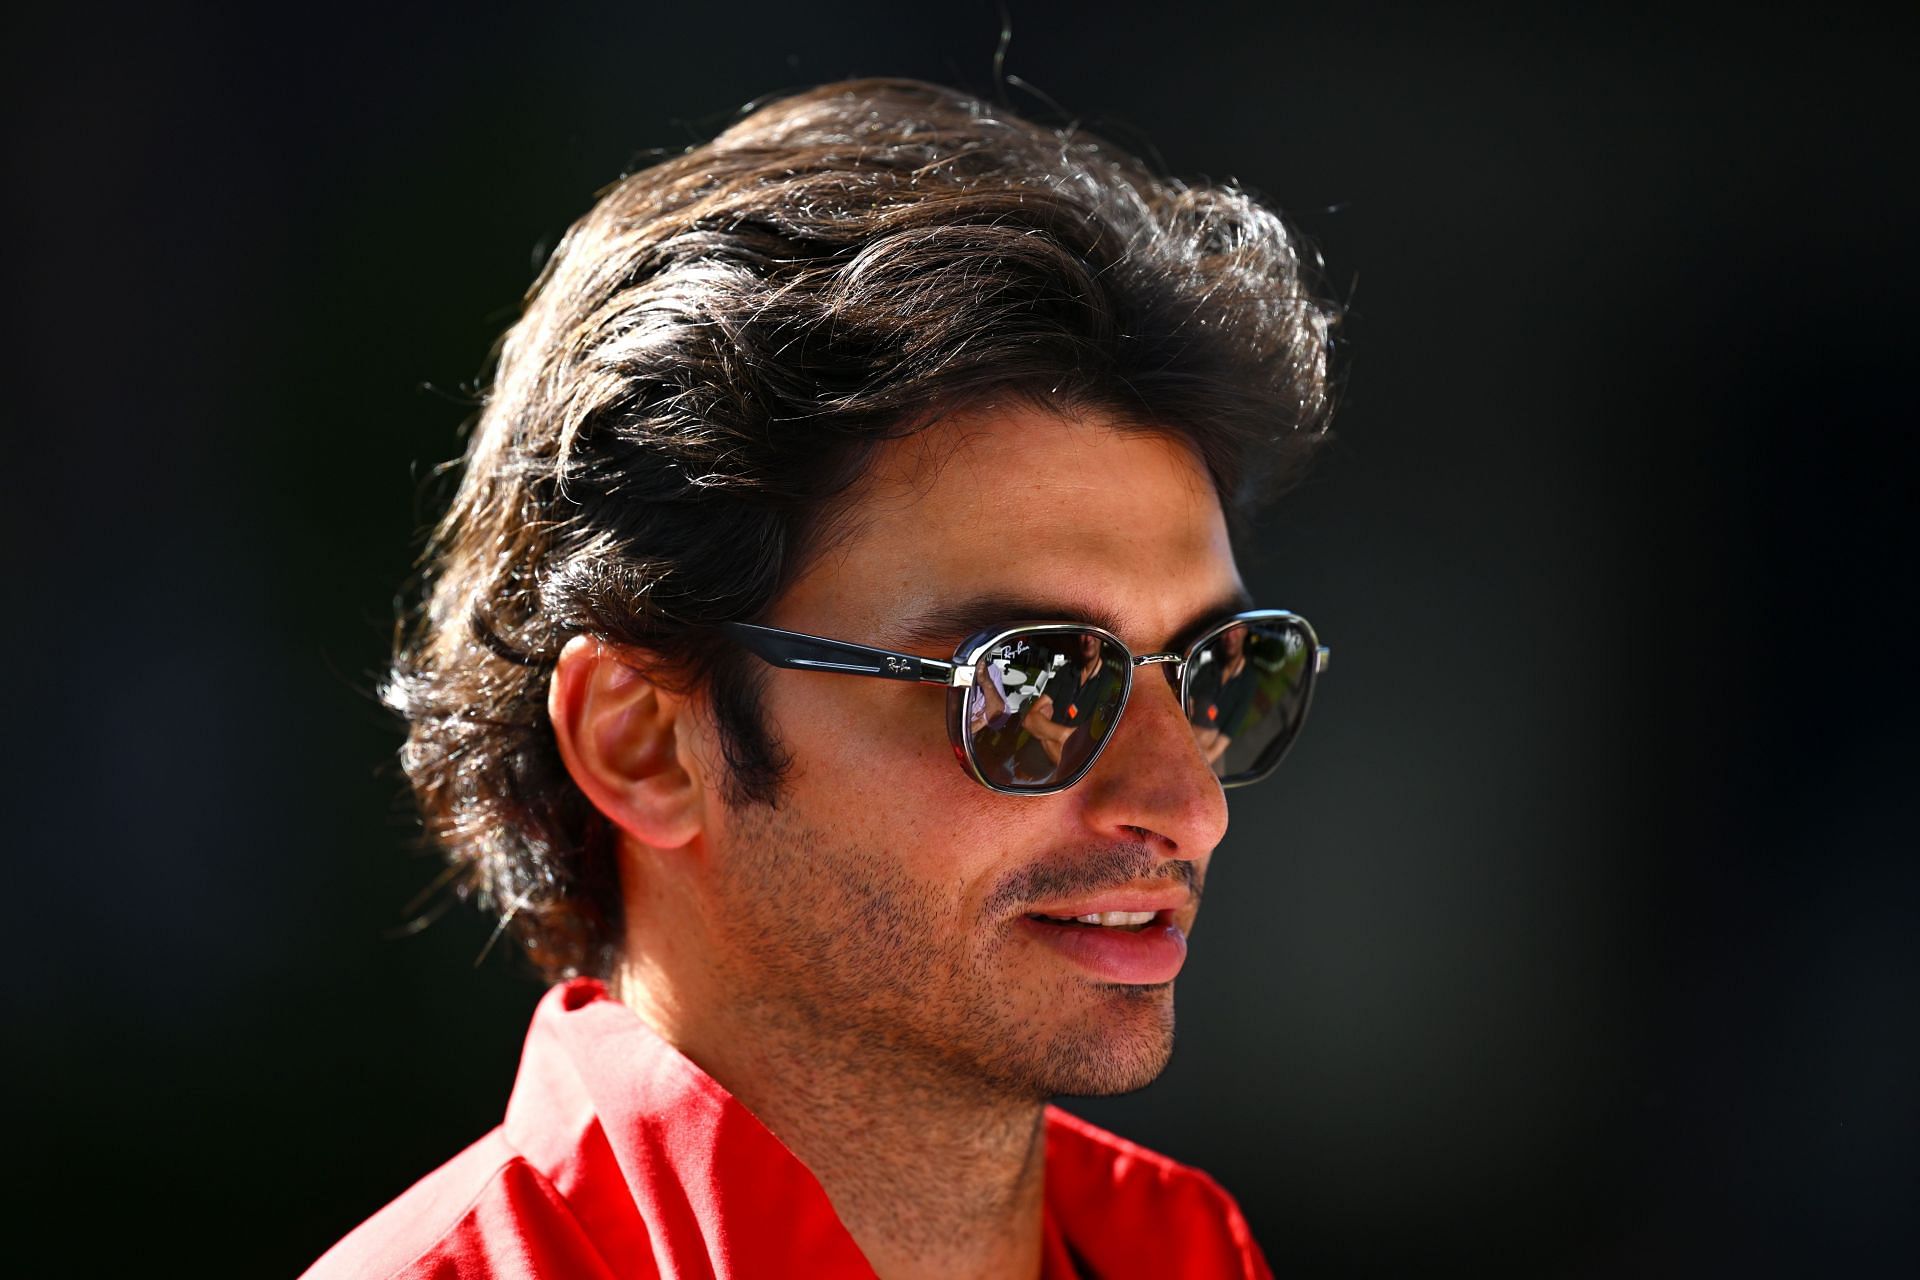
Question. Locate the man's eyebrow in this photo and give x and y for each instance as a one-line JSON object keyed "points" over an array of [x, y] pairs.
{"points": [[954, 621]]}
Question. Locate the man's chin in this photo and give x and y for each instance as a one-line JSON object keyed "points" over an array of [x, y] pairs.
{"points": [[1121, 1053]]}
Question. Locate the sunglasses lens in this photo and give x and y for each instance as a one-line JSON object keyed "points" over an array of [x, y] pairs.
{"points": [[1041, 704], [1247, 695]]}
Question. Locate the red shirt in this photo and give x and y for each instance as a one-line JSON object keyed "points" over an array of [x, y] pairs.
{"points": [[620, 1158]]}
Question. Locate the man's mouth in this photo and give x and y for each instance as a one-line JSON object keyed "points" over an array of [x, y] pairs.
{"points": [[1122, 948], [1131, 921]]}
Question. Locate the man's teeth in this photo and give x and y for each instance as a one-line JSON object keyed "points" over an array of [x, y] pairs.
{"points": [[1116, 919]]}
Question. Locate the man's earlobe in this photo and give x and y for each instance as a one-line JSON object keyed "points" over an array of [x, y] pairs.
{"points": [[624, 739]]}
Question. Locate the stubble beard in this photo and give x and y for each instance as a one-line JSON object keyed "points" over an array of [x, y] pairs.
{"points": [[833, 947]]}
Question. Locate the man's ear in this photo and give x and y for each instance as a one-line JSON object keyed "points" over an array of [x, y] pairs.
{"points": [[627, 742]]}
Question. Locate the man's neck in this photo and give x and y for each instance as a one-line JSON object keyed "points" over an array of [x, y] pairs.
{"points": [[931, 1177]]}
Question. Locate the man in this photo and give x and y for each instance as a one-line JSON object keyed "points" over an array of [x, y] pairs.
{"points": [[882, 389], [1071, 716], [1221, 694]]}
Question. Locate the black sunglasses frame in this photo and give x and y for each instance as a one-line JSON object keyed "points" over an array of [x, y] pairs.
{"points": [[798, 651]]}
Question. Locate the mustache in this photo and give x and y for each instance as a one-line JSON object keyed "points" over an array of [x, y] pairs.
{"points": [[1090, 870]]}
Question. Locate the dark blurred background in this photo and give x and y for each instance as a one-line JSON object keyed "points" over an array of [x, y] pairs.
{"points": [[1578, 938]]}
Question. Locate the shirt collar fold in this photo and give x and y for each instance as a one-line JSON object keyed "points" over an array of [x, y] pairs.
{"points": [[713, 1192]]}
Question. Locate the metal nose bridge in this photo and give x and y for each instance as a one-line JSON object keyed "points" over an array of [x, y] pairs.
{"points": [[1176, 664]]}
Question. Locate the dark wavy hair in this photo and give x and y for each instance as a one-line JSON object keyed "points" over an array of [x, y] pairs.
{"points": [[705, 366]]}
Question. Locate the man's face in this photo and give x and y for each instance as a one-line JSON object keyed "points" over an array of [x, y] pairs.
{"points": [[889, 905]]}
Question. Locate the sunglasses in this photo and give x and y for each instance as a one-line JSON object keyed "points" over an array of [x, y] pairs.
{"points": [[1031, 707]]}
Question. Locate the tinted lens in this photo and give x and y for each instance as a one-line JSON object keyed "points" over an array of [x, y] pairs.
{"points": [[1247, 694], [1041, 705]]}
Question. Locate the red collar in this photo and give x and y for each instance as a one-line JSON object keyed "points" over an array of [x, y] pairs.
{"points": [[707, 1184], [665, 1170]]}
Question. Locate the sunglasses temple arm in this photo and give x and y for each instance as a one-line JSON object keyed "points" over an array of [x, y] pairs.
{"points": [[801, 652]]}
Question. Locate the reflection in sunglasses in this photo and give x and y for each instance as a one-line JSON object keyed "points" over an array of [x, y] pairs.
{"points": [[1041, 706]]}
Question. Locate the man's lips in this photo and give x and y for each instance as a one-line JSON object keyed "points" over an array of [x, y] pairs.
{"points": [[1126, 936], [1138, 955], [1169, 899]]}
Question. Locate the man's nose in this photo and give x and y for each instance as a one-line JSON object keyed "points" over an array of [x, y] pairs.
{"points": [[1153, 777]]}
